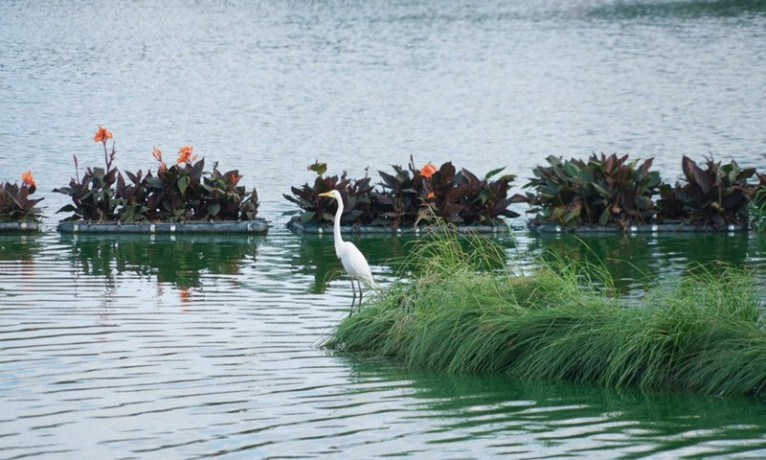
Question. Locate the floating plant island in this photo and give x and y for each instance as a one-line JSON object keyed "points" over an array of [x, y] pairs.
{"points": [[603, 194], [408, 200], [18, 210], [181, 198]]}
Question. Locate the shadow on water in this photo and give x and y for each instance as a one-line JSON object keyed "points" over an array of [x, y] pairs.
{"points": [[638, 262], [576, 419], [678, 9], [179, 259]]}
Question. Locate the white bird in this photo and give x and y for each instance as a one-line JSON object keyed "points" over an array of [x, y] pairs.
{"points": [[352, 259]]}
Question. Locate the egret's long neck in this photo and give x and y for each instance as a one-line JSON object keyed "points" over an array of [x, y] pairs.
{"points": [[338, 240]]}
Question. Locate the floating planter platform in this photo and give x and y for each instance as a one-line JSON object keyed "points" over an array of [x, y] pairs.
{"points": [[19, 227], [296, 226], [648, 228], [247, 226]]}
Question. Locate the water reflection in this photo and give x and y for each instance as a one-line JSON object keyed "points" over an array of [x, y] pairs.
{"points": [[522, 418], [22, 247], [316, 256], [180, 259], [637, 262], [388, 255]]}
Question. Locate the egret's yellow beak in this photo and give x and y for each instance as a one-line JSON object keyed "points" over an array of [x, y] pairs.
{"points": [[326, 194]]}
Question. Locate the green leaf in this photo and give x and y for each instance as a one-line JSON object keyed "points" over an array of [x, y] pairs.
{"points": [[493, 172], [307, 216], [214, 209], [601, 190], [67, 208], [154, 182], [319, 168], [643, 202], [183, 182], [604, 219]]}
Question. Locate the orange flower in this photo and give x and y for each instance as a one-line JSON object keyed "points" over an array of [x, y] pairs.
{"points": [[185, 154], [102, 135], [430, 195], [157, 154], [428, 170], [28, 179]]}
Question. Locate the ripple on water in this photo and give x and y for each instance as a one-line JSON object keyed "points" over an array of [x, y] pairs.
{"points": [[134, 347]]}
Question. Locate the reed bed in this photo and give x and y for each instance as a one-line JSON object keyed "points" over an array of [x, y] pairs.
{"points": [[701, 333]]}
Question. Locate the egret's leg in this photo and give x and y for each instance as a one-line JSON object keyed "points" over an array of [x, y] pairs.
{"points": [[353, 299]]}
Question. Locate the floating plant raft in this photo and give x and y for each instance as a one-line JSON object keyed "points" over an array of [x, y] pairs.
{"points": [[19, 226], [245, 226], [647, 228], [297, 226]]}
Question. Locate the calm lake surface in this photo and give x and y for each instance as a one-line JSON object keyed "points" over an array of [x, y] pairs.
{"points": [[209, 346]]}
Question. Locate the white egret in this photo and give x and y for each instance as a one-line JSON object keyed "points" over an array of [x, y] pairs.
{"points": [[352, 259]]}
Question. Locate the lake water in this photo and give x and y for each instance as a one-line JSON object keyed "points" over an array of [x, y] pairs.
{"points": [[203, 346]]}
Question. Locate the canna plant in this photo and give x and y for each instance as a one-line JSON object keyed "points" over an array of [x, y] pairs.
{"points": [[408, 196], [604, 190], [717, 195], [181, 192], [15, 202], [357, 196], [758, 204], [444, 194], [93, 195]]}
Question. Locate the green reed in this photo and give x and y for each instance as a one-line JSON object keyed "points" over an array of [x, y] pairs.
{"points": [[700, 333]]}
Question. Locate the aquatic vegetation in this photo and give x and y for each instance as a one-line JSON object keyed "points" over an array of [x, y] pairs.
{"points": [[701, 333], [605, 190], [717, 195], [442, 195], [610, 191], [357, 195], [15, 202], [181, 192], [758, 205], [409, 196]]}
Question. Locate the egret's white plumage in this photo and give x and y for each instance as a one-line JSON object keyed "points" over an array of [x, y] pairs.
{"points": [[352, 259]]}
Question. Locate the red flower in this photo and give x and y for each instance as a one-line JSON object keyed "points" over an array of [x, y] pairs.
{"points": [[102, 134], [428, 170]]}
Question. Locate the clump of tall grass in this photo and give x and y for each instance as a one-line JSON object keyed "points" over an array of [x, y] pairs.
{"points": [[701, 333]]}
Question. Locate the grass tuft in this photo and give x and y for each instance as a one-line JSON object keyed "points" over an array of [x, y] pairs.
{"points": [[701, 333]]}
